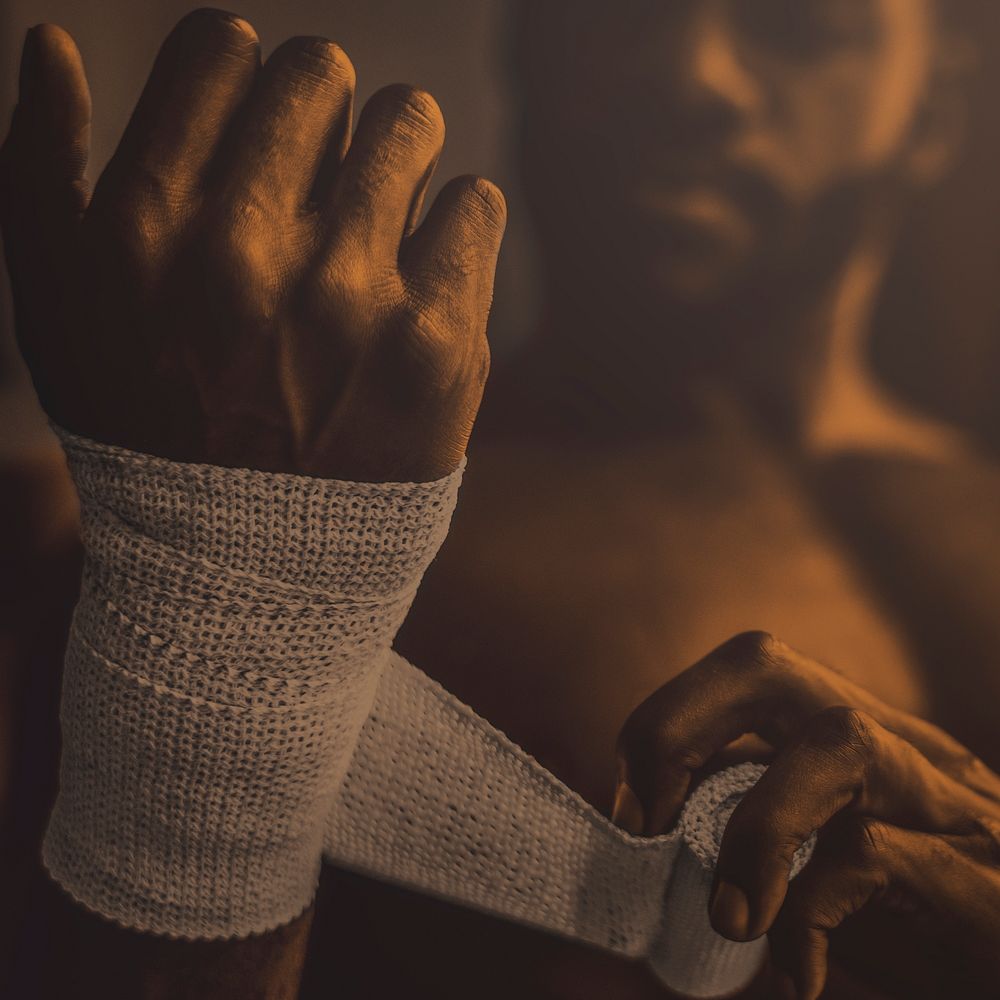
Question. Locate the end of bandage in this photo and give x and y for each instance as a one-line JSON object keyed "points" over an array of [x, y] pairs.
{"points": [[689, 957]]}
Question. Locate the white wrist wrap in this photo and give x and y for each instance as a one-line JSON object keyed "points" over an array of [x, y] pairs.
{"points": [[228, 715], [223, 657]]}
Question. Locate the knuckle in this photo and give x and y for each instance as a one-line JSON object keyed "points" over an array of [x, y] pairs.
{"points": [[150, 191], [869, 841], [485, 203], [242, 221], [131, 221], [208, 25], [236, 253], [647, 736], [423, 355], [141, 193], [987, 833], [659, 748], [344, 281], [754, 650], [358, 289], [481, 362], [477, 367], [843, 729], [685, 756], [413, 114], [319, 61]]}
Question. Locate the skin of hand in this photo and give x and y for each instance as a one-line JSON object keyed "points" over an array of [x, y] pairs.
{"points": [[908, 818], [247, 286]]}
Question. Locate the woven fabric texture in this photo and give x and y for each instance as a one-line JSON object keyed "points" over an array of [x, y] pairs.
{"points": [[232, 710], [439, 801], [223, 657]]}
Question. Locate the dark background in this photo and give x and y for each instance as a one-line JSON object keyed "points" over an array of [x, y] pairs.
{"points": [[938, 333]]}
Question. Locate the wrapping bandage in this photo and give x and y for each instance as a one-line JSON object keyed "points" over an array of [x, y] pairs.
{"points": [[232, 710], [223, 657], [439, 801]]}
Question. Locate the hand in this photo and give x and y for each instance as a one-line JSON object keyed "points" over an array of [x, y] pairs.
{"points": [[908, 819], [246, 286]]}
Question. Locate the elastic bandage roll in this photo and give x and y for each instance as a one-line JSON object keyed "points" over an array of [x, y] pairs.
{"points": [[232, 710]]}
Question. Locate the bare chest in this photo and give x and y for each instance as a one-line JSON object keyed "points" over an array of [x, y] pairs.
{"points": [[572, 587]]}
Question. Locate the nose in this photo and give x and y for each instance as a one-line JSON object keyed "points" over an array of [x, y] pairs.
{"points": [[706, 60]]}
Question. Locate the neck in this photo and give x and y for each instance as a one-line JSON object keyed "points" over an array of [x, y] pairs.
{"points": [[840, 405], [613, 366], [790, 353]]}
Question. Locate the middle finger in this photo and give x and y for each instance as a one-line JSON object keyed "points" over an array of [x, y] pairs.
{"points": [[843, 761]]}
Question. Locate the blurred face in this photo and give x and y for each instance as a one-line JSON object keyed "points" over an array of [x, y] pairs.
{"points": [[680, 146]]}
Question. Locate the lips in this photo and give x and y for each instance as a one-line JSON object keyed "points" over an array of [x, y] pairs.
{"points": [[697, 203], [695, 214]]}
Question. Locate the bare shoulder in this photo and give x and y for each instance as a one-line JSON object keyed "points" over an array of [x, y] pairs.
{"points": [[927, 531]]}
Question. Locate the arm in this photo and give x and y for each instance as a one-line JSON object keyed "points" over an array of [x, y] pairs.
{"points": [[245, 288]]}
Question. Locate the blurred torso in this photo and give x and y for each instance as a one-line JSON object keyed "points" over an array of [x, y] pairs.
{"points": [[575, 581]]}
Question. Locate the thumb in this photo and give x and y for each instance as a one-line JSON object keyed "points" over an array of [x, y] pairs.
{"points": [[43, 195], [45, 154]]}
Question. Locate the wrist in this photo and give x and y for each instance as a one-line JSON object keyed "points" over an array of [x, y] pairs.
{"points": [[224, 655]]}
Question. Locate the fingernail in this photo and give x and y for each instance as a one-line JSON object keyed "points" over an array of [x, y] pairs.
{"points": [[730, 912], [627, 811], [784, 986]]}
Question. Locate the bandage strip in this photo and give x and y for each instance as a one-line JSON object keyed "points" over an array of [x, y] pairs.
{"points": [[222, 659], [231, 708], [439, 801]]}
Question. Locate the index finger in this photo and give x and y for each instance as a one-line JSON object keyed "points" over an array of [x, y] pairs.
{"points": [[754, 683], [842, 761]]}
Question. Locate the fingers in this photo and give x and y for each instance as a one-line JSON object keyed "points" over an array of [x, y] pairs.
{"points": [[43, 195], [451, 259], [861, 859], [202, 74], [753, 683], [298, 119], [399, 138], [417, 204], [842, 761], [842, 876], [868, 769], [45, 154]]}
